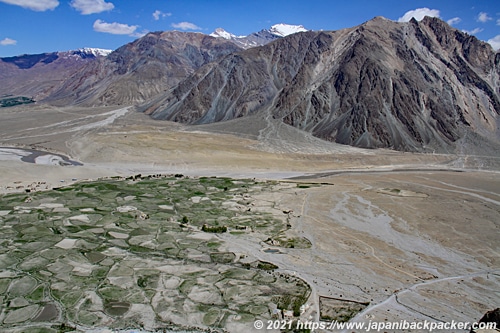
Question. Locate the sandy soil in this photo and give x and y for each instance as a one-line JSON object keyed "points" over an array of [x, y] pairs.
{"points": [[120, 142], [430, 254]]}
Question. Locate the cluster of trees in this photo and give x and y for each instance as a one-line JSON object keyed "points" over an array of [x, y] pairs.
{"points": [[206, 228], [289, 302], [214, 229]]}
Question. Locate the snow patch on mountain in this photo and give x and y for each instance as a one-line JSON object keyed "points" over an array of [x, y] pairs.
{"points": [[219, 32], [283, 30], [95, 51], [84, 53], [261, 37], [280, 29]]}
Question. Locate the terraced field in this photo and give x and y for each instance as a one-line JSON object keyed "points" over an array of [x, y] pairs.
{"points": [[142, 252]]}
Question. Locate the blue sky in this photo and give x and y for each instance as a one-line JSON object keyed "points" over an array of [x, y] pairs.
{"points": [[37, 26]]}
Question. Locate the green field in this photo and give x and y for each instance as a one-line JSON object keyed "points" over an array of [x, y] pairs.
{"points": [[7, 101], [133, 254]]}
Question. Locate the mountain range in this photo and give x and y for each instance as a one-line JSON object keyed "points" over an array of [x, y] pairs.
{"points": [[261, 37], [414, 86], [37, 75], [139, 70], [406, 86], [150, 65]]}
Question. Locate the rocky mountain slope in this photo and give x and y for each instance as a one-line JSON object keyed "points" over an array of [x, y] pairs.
{"points": [[408, 86], [261, 37], [37, 75], [133, 73], [141, 69]]}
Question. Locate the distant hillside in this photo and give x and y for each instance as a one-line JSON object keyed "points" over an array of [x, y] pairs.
{"points": [[139, 70], [37, 75]]}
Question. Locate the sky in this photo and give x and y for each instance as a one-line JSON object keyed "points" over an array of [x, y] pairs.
{"points": [[38, 26]]}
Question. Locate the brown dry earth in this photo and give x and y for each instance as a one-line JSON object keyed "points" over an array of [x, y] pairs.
{"points": [[405, 232]]}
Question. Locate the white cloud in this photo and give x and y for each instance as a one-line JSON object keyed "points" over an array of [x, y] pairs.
{"points": [[498, 22], [473, 31], [483, 17], [116, 28], [186, 26], [454, 20], [159, 14], [8, 41], [87, 7], [495, 42], [419, 14], [36, 5]]}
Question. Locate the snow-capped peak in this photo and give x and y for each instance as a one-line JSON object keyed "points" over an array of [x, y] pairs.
{"points": [[261, 37], [95, 51], [283, 30], [219, 32], [85, 53], [280, 30]]}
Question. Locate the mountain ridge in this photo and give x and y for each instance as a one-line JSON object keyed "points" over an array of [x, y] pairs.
{"points": [[377, 85], [141, 69], [82, 77], [261, 37], [26, 61], [38, 75]]}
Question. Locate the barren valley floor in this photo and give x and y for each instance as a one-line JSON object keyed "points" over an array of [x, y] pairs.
{"points": [[410, 236]]}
